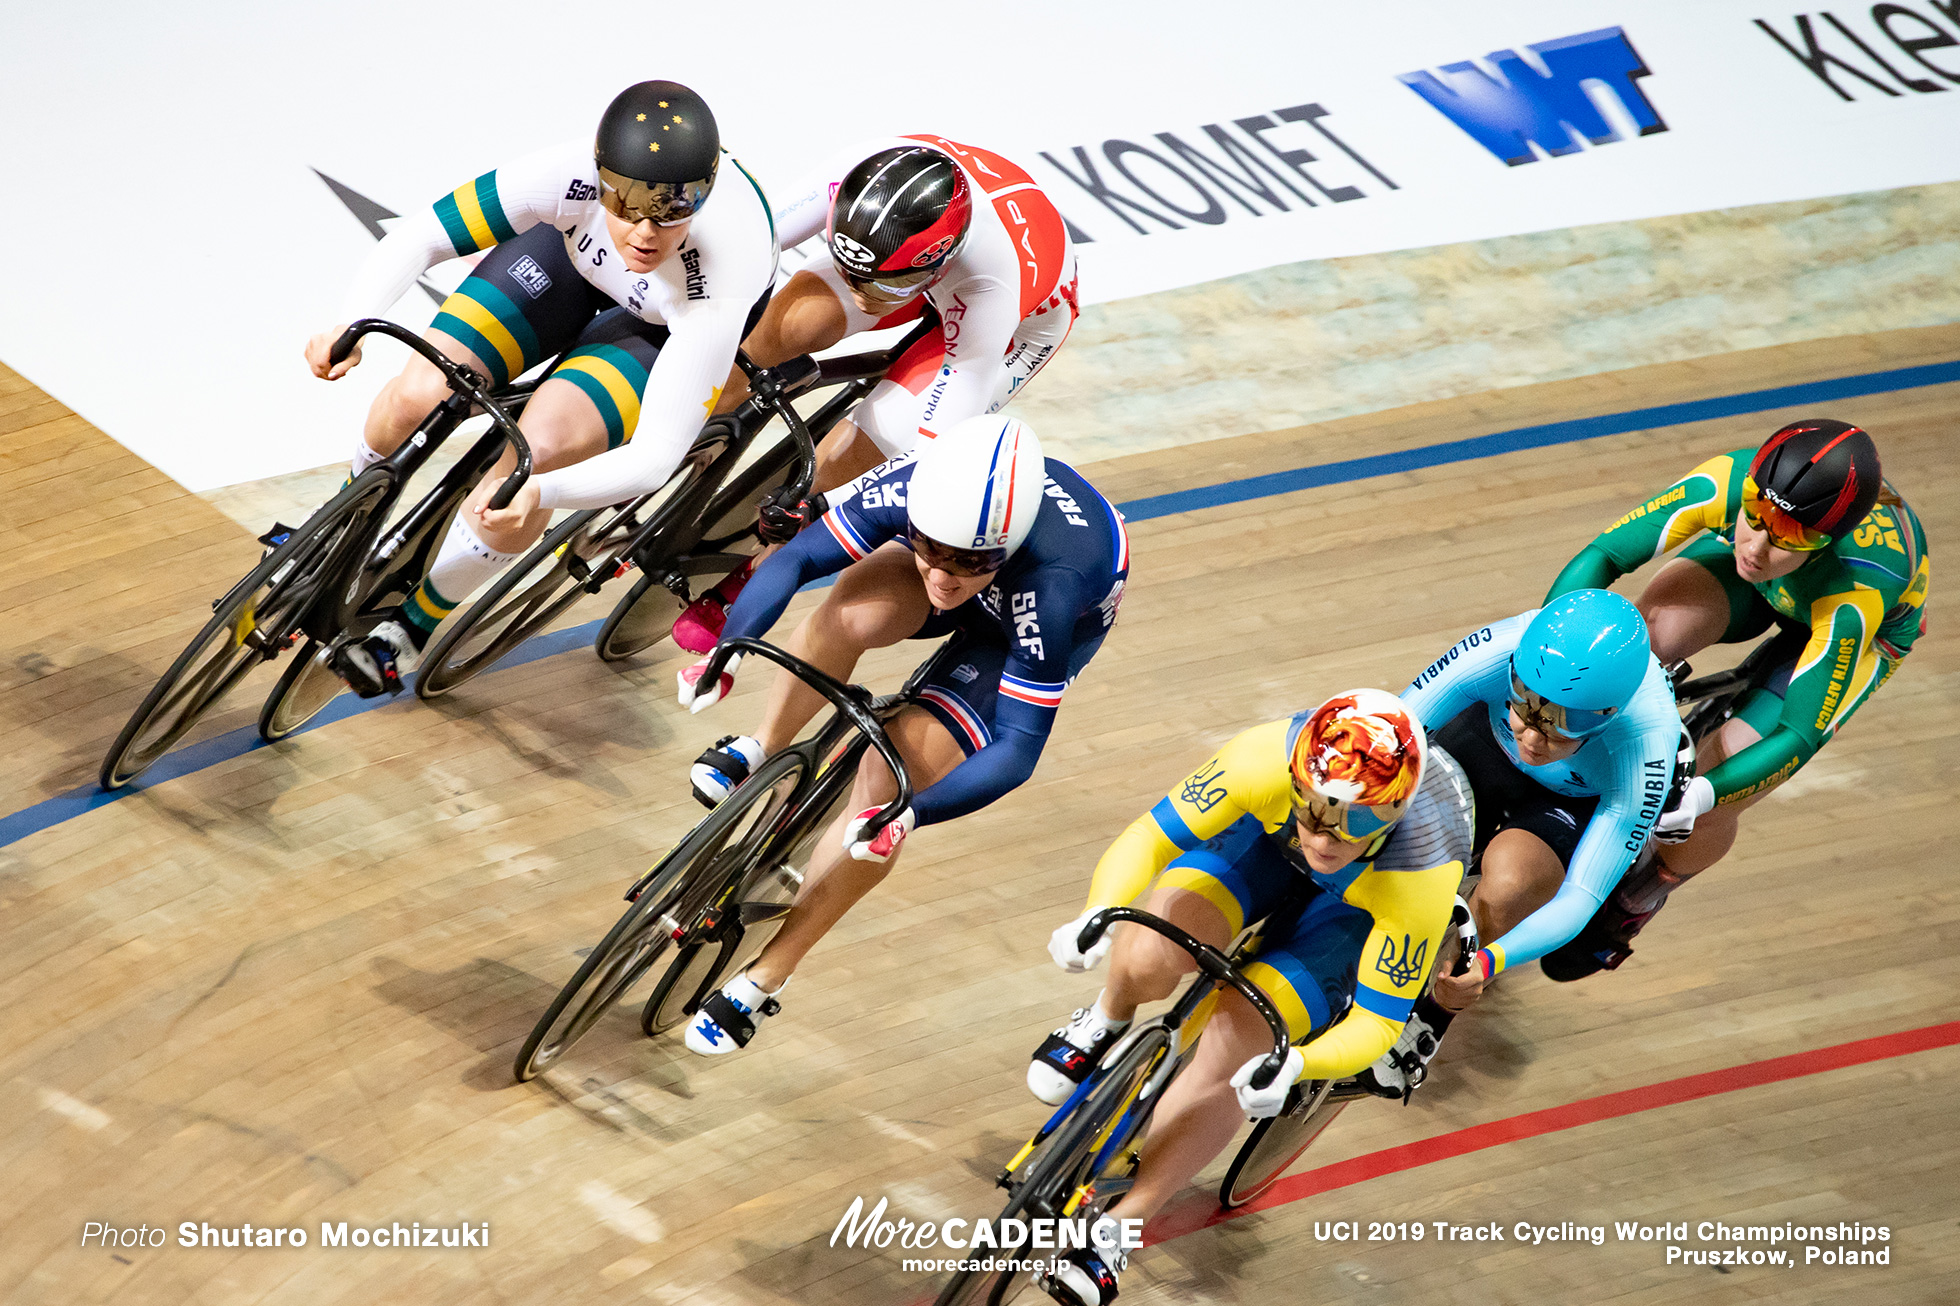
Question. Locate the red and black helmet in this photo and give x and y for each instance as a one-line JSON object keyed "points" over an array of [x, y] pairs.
{"points": [[1820, 471], [898, 217]]}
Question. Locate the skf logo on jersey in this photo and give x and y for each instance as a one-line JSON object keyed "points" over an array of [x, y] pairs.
{"points": [[930, 252], [1405, 968], [1523, 107], [851, 252]]}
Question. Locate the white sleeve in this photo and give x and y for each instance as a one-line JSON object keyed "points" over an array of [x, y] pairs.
{"points": [[686, 379], [416, 244], [808, 211], [977, 318], [804, 216], [507, 202]]}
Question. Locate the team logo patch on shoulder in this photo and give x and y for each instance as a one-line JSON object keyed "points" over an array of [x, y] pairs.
{"points": [[534, 279]]}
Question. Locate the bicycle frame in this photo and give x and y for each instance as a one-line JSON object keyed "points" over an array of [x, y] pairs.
{"points": [[1216, 970], [726, 440], [389, 552]]}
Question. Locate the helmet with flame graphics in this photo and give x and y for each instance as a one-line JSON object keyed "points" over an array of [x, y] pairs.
{"points": [[1356, 764]]}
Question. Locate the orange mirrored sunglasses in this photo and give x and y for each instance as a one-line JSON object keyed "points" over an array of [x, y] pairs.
{"points": [[1784, 531]]}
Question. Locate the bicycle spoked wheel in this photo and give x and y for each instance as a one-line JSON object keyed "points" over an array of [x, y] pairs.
{"points": [[1058, 1179], [1275, 1143], [528, 597], [691, 878], [305, 688], [771, 886], [255, 622]]}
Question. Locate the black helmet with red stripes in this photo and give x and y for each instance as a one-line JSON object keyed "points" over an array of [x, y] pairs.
{"points": [[897, 218], [1822, 472]]}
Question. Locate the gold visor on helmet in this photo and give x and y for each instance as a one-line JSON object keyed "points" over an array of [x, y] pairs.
{"points": [[663, 203]]}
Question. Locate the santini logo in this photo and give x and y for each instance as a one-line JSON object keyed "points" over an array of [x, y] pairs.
{"points": [[1522, 106]]}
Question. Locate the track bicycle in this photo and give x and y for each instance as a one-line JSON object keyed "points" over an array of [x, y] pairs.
{"points": [[691, 532], [1278, 1141], [710, 906], [332, 578], [1084, 1157]]}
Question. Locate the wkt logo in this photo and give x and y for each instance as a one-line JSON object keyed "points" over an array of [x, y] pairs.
{"points": [[1531, 108]]}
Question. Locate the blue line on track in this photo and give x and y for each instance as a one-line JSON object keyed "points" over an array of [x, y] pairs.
{"points": [[67, 806]]}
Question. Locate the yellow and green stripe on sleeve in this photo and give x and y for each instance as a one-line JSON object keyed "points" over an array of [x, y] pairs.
{"points": [[473, 215]]}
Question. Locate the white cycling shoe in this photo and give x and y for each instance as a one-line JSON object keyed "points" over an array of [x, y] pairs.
{"points": [[375, 664], [717, 772], [1086, 1276], [1403, 1067], [1071, 1054], [728, 1019]]}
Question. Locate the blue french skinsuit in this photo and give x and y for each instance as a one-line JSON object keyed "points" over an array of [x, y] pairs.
{"points": [[1032, 629]]}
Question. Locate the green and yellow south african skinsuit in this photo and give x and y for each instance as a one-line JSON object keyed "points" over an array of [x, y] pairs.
{"points": [[1227, 833], [1862, 599]]}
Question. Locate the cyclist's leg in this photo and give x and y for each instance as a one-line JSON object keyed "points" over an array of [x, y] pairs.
{"points": [[1210, 893], [875, 603], [407, 399], [493, 322], [1697, 600], [886, 422], [1308, 969], [835, 881]]}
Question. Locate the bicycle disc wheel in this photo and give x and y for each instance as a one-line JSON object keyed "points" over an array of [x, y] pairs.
{"points": [[699, 871], [305, 688], [527, 598], [767, 890], [255, 622], [1277, 1142], [1059, 1177]]}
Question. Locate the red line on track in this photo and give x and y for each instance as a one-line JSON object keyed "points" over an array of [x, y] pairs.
{"points": [[1189, 1217]]}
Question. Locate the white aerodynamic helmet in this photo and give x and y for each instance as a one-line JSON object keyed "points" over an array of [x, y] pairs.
{"points": [[974, 494]]}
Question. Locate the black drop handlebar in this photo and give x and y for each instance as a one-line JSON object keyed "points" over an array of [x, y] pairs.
{"points": [[1215, 965], [854, 701], [463, 380]]}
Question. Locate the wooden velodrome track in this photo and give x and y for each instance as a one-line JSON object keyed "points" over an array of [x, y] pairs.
{"points": [[287, 988]]}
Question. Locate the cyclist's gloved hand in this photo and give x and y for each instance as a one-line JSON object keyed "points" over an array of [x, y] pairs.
{"points": [[880, 847], [1260, 1103], [780, 516], [1062, 945], [692, 696], [1678, 823]]}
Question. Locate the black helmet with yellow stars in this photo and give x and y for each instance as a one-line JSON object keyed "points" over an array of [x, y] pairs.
{"points": [[657, 151]]}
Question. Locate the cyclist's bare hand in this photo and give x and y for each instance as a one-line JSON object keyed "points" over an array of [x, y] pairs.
{"points": [[320, 347], [522, 505], [1455, 992]]}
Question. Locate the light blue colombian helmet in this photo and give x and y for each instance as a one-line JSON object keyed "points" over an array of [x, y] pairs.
{"points": [[1579, 663]]}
